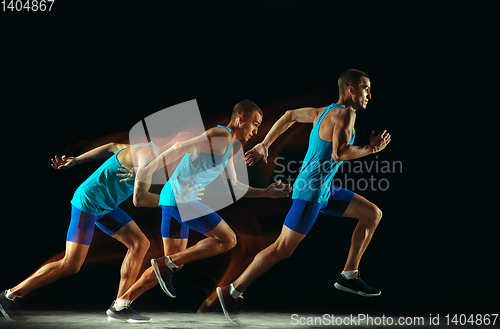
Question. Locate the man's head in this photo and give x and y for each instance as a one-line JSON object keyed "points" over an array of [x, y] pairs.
{"points": [[245, 120], [354, 88]]}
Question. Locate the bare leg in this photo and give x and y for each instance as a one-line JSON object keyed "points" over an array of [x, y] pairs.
{"points": [[70, 264], [282, 248], [368, 216], [219, 240], [137, 243], [148, 279]]}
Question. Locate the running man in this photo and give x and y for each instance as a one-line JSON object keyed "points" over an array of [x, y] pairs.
{"points": [[99, 195], [204, 158], [330, 143]]}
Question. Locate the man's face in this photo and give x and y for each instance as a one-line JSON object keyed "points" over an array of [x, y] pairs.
{"points": [[249, 126], [361, 94]]}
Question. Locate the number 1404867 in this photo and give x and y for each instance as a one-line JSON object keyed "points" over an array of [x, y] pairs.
{"points": [[27, 5], [472, 319]]}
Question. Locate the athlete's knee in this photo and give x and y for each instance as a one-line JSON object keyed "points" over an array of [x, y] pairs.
{"points": [[227, 242], [140, 244], [377, 215], [230, 241], [374, 215], [144, 244], [71, 266]]}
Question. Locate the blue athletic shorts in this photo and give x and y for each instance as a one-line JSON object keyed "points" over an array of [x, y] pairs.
{"points": [[202, 224], [81, 227], [303, 214]]}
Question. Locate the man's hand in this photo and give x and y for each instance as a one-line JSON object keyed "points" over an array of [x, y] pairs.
{"points": [[63, 163], [379, 142], [190, 193], [278, 190], [126, 174], [258, 152]]}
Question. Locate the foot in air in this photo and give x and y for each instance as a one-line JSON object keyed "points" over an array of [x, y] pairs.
{"points": [[356, 286]]}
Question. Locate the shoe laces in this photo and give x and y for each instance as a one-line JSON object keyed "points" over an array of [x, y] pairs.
{"points": [[367, 287]]}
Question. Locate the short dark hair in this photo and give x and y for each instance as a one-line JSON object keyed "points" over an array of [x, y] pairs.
{"points": [[351, 77], [245, 107]]}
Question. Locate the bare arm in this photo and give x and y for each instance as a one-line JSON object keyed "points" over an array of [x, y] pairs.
{"points": [[101, 152], [206, 142], [302, 115], [173, 153], [275, 190], [142, 197], [343, 151]]}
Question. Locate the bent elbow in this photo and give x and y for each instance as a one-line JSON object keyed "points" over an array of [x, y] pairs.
{"points": [[178, 146], [336, 157], [137, 200], [289, 116]]}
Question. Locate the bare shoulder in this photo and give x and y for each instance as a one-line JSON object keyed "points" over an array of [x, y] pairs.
{"points": [[117, 147], [219, 138], [341, 116], [305, 114], [319, 110], [217, 132], [137, 154]]}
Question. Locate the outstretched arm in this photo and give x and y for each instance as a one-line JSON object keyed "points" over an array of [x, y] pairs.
{"points": [[101, 152], [206, 142], [302, 115], [275, 190]]}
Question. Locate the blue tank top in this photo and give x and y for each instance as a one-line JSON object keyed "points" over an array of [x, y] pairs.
{"points": [[102, 192], [194, 168], [318, 168]]}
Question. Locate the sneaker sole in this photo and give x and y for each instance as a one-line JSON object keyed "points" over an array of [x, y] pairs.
{"points": [[5, 314], [112, 318], [357, 292], [221, 301], [163, 286]]}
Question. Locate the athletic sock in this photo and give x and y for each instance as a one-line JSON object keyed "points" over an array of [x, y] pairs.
{"points": [[120, 304], [349, 274], [10, 295], [235, 293], [171, 265]]}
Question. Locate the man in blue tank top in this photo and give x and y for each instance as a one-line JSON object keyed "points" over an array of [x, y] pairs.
{"points": [[203, 159], [330, 143], [99, 195]]}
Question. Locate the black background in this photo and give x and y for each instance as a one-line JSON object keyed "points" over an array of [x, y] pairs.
{"points": [[86, 72]]}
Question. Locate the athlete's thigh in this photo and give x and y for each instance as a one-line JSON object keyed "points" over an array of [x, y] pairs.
{"points": [[171, 228], [289, 238], [81, 227], [338, 202], [359, 207], [221, 232], [302, 216], [129, 234], [113, 221], [198, 217], [75, 252]]}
